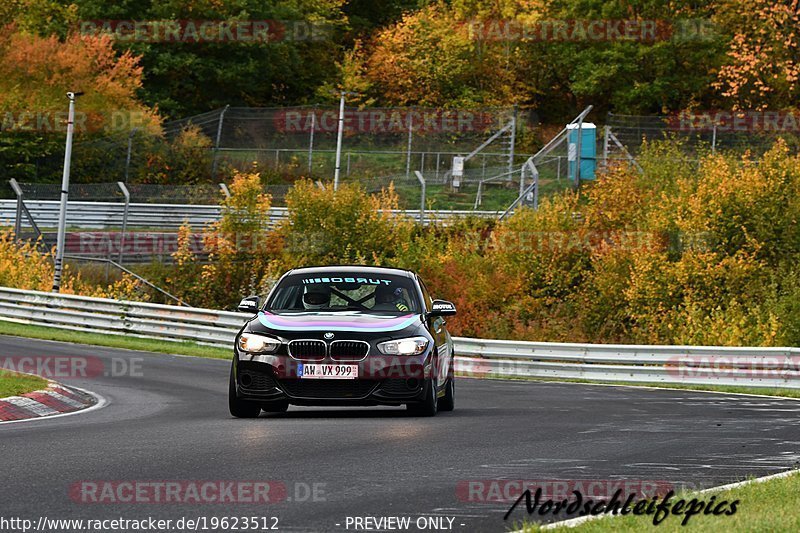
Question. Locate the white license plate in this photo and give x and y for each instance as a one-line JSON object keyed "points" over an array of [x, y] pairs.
{"points": [[326, 371]]}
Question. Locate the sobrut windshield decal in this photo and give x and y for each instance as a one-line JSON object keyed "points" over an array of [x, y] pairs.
{"points": [[361, 281]]}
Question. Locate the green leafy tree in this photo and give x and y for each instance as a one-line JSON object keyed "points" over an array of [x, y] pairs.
{"points": [[185, 78]]}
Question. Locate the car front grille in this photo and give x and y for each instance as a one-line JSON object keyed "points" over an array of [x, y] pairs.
{"points": [[328, 388], [349, 350], [307, 350]]}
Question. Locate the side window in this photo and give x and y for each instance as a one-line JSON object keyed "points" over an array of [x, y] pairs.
{"points": [[426, 295]]}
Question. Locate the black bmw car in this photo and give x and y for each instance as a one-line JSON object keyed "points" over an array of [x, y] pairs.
{"points": [[344, 335]]}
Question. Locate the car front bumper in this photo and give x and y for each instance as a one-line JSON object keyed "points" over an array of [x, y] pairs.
{"points": [[381, 381]]}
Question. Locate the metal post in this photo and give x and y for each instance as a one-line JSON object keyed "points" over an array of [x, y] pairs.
{"points": [[225, 190], [438, 154], [422, 197], [216, 143], [348, 163], [607, 130], [108, 257], [410, 138], [714, 139], [128, 158], [311, 138], [62, 213], [512, 142], [18, 220], [277, 158], [422, 162], [339, 143], [478, 198], [127, 195], [558, 174], [578, 154]]}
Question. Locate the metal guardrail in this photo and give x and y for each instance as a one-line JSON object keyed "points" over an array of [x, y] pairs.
{"points": [[694, 365], [100, 215], [680, 365]]}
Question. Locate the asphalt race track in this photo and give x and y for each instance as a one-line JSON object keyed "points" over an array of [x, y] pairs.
{"points": [[169, 420]]}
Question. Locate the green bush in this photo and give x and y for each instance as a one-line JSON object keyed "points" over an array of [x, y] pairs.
{"points": [[343, 226]]}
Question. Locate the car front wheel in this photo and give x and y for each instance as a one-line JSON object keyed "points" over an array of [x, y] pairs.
{"points": [[448, 401], [428, 406], [238, 407]]}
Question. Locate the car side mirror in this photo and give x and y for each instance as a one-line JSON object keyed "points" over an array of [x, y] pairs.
{"points": [[249, 304], [442, 308]]}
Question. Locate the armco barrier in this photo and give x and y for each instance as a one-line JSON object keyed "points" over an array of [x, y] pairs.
{"points": [[99, 215], [700, 365]]}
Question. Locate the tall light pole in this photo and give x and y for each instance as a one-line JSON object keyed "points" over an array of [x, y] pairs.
{"points": [[339, 143], [339, 135], [62, 213]]}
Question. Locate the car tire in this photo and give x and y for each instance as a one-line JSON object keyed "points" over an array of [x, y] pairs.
{"points": [[279, 406], [238, 407], [448, 401], [428, 406]]}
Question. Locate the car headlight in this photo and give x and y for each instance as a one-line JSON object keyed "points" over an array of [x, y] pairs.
{"points": [[254, 343], [409, 346]]}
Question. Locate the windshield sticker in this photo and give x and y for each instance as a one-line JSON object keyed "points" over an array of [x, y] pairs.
{"points": [[362, 281]]}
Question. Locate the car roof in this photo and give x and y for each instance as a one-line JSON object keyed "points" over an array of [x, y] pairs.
{"points": [[356, 269]]}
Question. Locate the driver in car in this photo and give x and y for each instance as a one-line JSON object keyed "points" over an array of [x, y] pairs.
{"points": [[317, 297], [389, 299]]}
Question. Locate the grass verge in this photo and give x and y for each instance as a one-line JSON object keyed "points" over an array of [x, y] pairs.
{"points": [[13, 384], [113, 341], [765, 506]]}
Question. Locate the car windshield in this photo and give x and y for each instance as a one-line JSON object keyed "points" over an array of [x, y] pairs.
{"points": [[345, 291]]}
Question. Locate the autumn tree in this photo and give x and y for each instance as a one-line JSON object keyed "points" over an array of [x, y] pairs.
{"points": [[35, 74], [430, 58], [764, 63], [186, 77], [462, 53], [40, 17]]}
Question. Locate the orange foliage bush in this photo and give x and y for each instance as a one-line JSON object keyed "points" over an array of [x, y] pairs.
{"points": [[35, 73]]}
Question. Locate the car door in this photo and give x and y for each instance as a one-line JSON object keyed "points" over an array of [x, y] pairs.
{"points": [[438, 329]]}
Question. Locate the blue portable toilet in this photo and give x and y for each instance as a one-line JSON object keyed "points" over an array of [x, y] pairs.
{"points": [[588, 149]]}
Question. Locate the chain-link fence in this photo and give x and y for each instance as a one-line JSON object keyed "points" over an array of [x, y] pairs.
{"points": [[379, 145], [376, 141], [753, 132], [291, 142]]}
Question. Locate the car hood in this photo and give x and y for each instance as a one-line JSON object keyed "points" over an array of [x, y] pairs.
{"points": [[290, 324]]}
